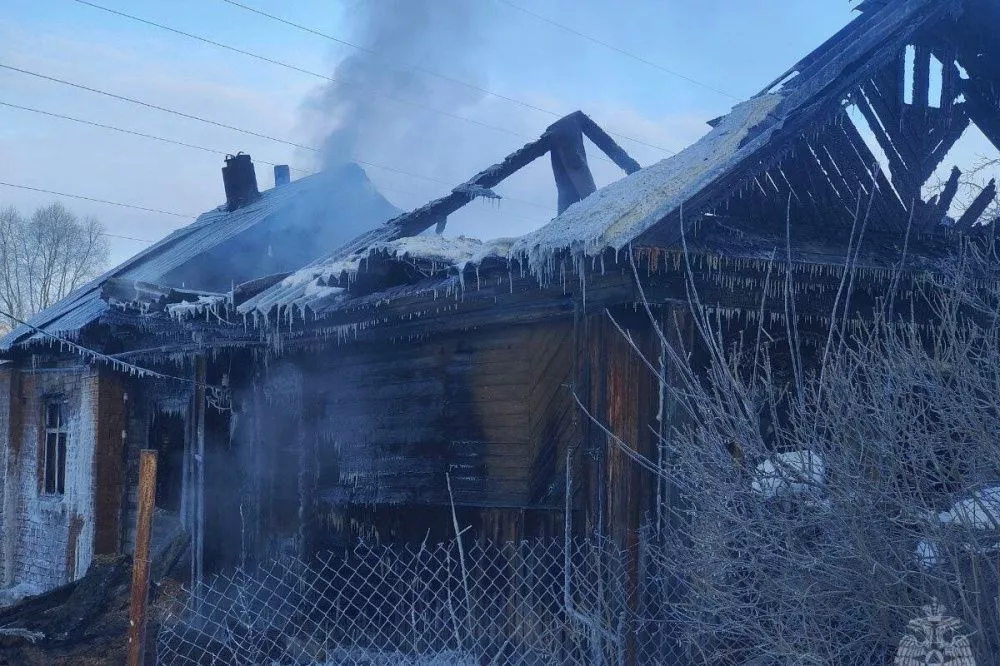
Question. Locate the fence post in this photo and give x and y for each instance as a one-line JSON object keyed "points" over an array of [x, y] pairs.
{"points": [[140, 559]]}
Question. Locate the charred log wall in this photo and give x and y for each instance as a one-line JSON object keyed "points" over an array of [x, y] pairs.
{"points": [[361, 441]]}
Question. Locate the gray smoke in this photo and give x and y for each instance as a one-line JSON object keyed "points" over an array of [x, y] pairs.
{"points": [[359, 114]]}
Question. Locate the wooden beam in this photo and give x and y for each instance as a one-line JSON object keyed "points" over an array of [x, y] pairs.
{"points": [[140, 560], [574, 181], [607, 145], [977, 207]]}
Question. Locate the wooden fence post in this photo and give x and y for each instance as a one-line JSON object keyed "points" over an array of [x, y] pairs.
{"points": [[140, 559]]}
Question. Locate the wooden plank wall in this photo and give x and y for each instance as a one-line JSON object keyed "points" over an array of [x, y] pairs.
{"points": [[393, 420], [554, 418], [109, 457], [367, 434]]}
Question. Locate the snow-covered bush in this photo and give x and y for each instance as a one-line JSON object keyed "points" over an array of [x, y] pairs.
{"points": [[830, 486]]}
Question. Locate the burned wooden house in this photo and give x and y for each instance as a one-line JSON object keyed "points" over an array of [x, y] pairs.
{"points": [[72, 423], [369, 392]]}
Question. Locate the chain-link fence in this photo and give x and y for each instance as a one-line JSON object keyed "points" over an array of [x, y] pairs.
{"points": [[530, 602]]}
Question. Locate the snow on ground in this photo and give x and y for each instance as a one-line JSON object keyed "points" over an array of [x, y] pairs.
{"points": [[979, 511], [792, 472], [11, 595]]}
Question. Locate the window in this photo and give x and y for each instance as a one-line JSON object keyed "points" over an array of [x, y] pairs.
{"points": [[54, 482]]}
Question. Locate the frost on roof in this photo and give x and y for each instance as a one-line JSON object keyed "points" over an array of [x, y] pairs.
{"points": [[304, 287], [447, 252], [616, 214]]}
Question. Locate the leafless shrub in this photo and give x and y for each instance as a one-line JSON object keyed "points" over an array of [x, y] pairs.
{"points": [[827, 489]]}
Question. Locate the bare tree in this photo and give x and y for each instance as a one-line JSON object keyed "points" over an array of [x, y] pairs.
{"points": [[45, 257]]}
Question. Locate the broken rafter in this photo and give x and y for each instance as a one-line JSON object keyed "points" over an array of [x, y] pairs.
{"points": [[977, 207], [437, 211], [944, 200]]}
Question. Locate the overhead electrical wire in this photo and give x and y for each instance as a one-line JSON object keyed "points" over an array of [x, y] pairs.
{"points": [[296, 68], [95, 200], [431, 73], [259, 135], [132, 132], [185, 145], [308, 72], [616, 49]]}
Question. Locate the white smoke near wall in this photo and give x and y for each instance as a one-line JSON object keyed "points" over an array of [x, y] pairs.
{"points": [[382, 96]]}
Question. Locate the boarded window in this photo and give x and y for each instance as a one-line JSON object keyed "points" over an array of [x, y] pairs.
{"points": [[54, 482]]}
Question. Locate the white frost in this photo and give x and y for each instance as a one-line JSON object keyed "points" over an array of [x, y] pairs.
{"points": [[979, 511], [188, 309], [11, 595], [792, 472], [614, 215]]}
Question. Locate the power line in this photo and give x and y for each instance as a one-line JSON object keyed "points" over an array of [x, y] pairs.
{"points": [[296, 68], [164, 109], [132, 132], [188, 116], [131, 238], [193, 146], [95, 200], [431, 73], [616, 49]]}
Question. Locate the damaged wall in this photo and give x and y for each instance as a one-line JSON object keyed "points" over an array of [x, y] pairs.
{"points": [[340, 442], [49, 537], [51, 531]]}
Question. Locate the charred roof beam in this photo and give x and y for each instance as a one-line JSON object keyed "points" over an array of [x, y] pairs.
{"points": [[564, 137], [574, 180]]}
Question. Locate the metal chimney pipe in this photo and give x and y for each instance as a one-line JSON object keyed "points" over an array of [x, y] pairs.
{"points": [[281, 175]]}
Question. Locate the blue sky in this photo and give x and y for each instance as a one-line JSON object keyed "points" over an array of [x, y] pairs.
{"points": [[731, 45]]}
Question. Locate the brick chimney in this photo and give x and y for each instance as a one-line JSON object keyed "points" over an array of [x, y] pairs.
{"points": [[240, 181]]}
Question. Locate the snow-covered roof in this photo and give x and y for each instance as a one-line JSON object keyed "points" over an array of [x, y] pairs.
{"points": [[210, 230], [739, 146], [305, 288], [617, 214]]}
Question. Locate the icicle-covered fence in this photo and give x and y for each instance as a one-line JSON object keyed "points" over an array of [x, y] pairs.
{"points": [[512, 603]]}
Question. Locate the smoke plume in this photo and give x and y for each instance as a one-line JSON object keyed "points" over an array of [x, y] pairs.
{"points": [[380, 101]]}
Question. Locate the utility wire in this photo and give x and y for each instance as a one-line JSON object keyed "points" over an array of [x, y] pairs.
{"points": [[131, 238], [195, 147], [616, 49], [427, 72], [188, 116], [132, 100], [133, 133], [296, 68], [318, 75], [103, 201]]}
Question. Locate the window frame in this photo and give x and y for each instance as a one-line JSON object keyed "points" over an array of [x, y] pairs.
{"points": [[55, 445]]}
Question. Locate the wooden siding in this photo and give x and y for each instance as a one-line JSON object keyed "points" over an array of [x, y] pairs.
{"points": [[109, 470]]}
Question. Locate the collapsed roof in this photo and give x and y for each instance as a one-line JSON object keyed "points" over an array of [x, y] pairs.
{"points": [[791, 146], [222, 247], [800, 117]]}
